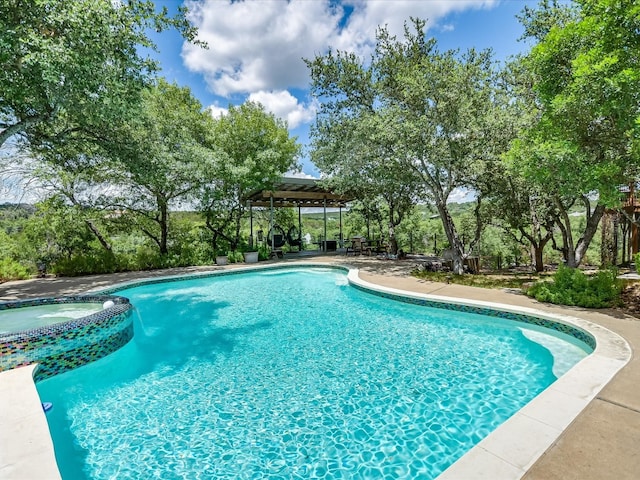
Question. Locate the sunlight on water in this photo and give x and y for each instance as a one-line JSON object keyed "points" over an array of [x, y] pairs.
{"points": [[565, 353], [26, 318], [293, 375]]}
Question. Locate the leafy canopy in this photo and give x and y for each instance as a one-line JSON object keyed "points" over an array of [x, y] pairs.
{"points": [[77, 61]]}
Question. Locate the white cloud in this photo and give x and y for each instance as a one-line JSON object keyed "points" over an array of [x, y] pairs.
{"points": [[217, 111], [258, 46], [285, 106], [368, 15], [293, 174], [461, 195]]}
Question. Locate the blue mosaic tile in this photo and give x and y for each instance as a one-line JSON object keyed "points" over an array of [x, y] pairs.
{"points": [[67, 345], [571, 330], [177, 278]]}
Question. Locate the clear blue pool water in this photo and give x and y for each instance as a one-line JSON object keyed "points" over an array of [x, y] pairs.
{"points": [[292, 373]]}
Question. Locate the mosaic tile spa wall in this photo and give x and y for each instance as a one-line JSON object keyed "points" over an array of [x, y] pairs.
{"points": [[63, 346]]}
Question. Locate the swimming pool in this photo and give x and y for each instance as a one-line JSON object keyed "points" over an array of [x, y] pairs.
{"points": [[294, 373]]}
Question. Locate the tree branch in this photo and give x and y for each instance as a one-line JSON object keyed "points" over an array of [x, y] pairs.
{"points": [[20, 126]]}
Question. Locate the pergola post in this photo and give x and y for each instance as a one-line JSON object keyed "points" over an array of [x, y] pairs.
{"points": [[271, 223], [250, 224], [324, 206], [341, 237], [299, 229]]}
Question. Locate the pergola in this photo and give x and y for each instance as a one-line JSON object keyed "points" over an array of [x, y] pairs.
{"points": [[297, 192], [626, 218]]}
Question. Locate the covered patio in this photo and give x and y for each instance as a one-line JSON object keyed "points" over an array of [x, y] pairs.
{"points": [[301, 193]]}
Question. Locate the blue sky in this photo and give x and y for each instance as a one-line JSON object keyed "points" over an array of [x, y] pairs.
{"points": [[256, 46]]}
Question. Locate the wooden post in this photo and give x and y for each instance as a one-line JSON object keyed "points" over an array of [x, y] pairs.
{"points": [[271, 223], [341, 236], [250, 224], [299, 230], [324, 204]]}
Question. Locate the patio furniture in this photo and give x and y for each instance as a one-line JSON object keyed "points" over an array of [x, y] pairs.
{"points": [[276, 237], [357, 245], [293, 238], [329, 245]]}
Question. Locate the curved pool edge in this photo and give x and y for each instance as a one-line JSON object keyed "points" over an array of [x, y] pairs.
{"points": [[213, 273], [507, 453], [69, 344], [510, 450]]}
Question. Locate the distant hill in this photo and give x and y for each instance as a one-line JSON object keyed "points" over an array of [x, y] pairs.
{"points": [[9, 211], [18, 206]]}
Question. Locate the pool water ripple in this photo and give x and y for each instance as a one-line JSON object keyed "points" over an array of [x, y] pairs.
{"points": [[291, 375]]}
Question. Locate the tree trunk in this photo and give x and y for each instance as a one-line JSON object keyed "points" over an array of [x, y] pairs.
{"points": [[536, 243], [457, 249], [164, 227], [236, 238], [537, 258], [574, 252], [393, 241], [538, 248], [625, 233], [608, 245], [103, 241], [589, 232]]}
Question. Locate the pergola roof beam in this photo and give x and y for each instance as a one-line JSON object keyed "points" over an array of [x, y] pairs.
{"points": [[297, 192]]}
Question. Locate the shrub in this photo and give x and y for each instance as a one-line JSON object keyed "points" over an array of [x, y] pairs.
{"points": [[571, 286], [636, 260], [263, 252], [148, 258], [12, 270], [235, 257], [86, 263]]}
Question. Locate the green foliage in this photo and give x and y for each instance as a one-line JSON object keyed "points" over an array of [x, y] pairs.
{"points": [[57, 231], [571, 286], [12, 270], [585, 86], [235, 257], [74, 65], [636, 260], [10, 247], [99, 261], [190, 241], [483, 281], [263, 252], [588, 77], [415, 123], [255, 149], [148, 258], [169, 157]]}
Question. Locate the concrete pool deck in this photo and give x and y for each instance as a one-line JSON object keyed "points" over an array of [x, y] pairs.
{"points": [[602, 442]]}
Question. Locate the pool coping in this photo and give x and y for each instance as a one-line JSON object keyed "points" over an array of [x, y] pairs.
{"points": [[507, 453], [26, 447], [512, 448]]}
